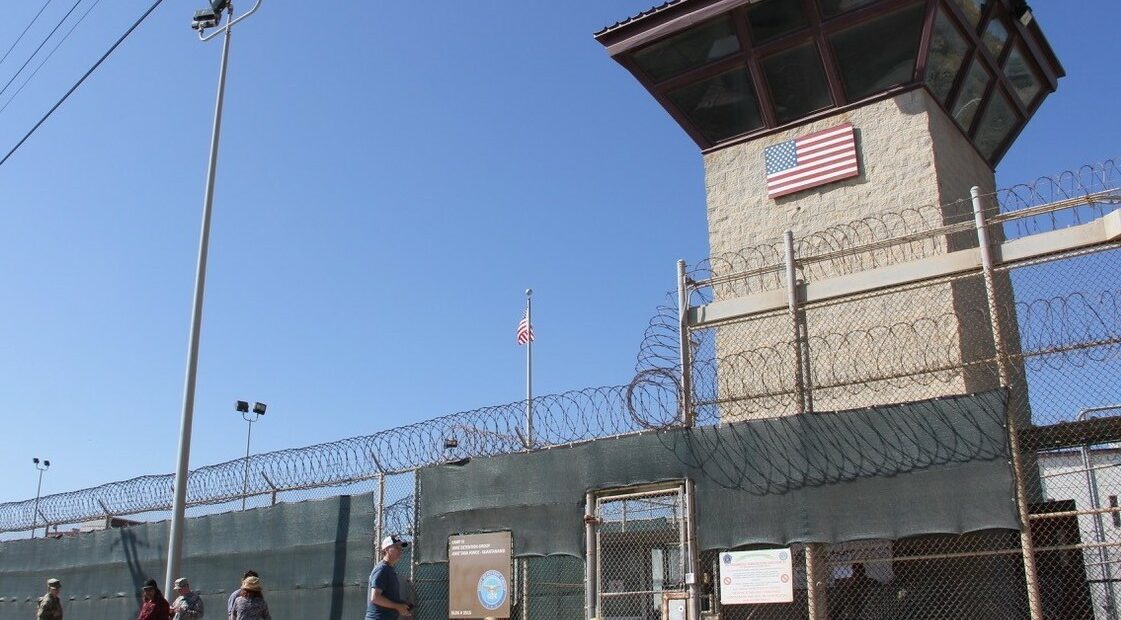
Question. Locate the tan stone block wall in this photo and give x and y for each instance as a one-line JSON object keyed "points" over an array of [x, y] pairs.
{"points": [[911, 156], [897, 170]]}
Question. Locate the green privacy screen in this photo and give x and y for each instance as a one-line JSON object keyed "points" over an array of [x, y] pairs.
{"points": [[929, 467], [314, 559]]}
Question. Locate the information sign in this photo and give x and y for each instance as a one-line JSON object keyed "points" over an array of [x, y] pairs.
{"points": [[479, 575], [752, 577]]}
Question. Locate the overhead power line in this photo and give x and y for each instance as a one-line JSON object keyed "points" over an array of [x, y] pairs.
{"points": [[28, 27], [81, 80], [41, 44], [48, 56]]}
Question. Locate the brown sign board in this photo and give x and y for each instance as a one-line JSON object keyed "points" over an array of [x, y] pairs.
{"points": [[479, 583]]}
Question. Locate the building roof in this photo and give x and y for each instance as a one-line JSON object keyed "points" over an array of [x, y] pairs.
{"points": [[734, 70], [642, 15]]}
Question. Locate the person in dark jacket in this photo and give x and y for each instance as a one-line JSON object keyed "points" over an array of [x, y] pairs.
{"points": [[155, 606]]}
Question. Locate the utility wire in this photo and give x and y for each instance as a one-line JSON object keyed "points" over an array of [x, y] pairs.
{"points": [[41, 44], [29, 25], [73, 88], [48, 57]]}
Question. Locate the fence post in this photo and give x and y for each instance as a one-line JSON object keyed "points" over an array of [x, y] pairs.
{"points": [[416, 526], [687, 417], [272, 494], [381, 510], [802, 379], [1031, 578], [691, 583], [108, 514], [589, 556], [525, 588], [815, 592]]}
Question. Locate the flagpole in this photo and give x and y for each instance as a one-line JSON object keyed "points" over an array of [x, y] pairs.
{"points": [[529, 370]]}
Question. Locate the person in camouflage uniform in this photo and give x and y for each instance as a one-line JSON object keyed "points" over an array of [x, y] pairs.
{"points": [[188, 606], [50, 606]]}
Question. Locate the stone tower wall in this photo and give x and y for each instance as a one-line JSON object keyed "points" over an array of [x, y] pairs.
{"points": [[911, 156]]}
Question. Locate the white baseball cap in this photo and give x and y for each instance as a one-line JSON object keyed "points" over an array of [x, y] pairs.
{"points": [[389, 541]]}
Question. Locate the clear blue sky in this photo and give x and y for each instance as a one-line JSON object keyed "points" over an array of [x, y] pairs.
{"points": [[392, 177]]}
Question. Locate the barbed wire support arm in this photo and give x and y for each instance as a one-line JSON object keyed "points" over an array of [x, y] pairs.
{"points": [[272, 492]]}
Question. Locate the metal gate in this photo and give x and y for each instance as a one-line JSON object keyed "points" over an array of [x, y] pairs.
{"points": [[641, 554]]}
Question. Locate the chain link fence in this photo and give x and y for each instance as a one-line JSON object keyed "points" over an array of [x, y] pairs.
{"points": [[641, 552], [856, 328], [863, 325]]}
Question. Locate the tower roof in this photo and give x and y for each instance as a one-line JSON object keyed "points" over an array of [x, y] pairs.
{"points": [[734, 70]]}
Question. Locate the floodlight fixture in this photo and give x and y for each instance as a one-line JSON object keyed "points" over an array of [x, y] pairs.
{"points": [[242, 407], [204, 19], [451, 442], [210, 17], [42, 467]]}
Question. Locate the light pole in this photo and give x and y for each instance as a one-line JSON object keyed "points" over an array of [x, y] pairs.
{"points": [[242, 407], [203, 20], [42, 467]]}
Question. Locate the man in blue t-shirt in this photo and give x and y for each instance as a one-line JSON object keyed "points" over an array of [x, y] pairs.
{"points": [[385, 592]]}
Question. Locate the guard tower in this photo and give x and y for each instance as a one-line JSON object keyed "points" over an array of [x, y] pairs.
{"points": [[814, 113]]}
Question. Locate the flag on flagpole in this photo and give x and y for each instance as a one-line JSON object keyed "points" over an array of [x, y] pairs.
{"points": [[525, 330]]}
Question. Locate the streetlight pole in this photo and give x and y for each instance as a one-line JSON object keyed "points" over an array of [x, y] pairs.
{"points": [[207, 18], [242, 407], [42, 467]]}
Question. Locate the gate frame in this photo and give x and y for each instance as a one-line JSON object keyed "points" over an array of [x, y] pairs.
{"points": [[686, 538]]}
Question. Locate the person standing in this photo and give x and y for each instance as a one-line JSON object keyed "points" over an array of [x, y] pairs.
{"points": [[250, 604], [155, 606], [385, 590], [237, 592], [188, 605], [50, 606]]}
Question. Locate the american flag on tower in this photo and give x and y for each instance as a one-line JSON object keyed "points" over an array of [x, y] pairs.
{"points": [[525, 330], [813, 160]]}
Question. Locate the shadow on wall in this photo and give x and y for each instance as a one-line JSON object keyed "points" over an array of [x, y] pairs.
{"points": [[131, 548], [338, 572]]}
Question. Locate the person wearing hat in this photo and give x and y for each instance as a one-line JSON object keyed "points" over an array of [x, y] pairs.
{"points": [[250, 603], [385, 591], [155, 606], [188, 604], [50, 606], [237, 592]]}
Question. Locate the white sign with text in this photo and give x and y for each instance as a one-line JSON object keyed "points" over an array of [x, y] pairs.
{"points": [[752, 577]]}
